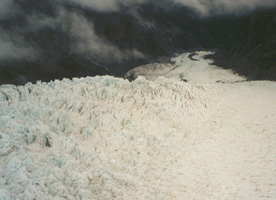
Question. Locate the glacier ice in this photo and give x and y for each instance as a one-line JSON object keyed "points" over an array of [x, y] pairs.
{"points": [[108, 138], [192, 67]]}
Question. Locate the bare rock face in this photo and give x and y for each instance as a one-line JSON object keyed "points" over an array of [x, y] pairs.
{"points": [[253, 51]]}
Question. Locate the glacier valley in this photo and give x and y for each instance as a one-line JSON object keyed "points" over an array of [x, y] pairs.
{"points": [[212, 136]]}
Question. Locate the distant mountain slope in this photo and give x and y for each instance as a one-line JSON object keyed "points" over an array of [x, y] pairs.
{"points": [[253, 51], [47, 40]]}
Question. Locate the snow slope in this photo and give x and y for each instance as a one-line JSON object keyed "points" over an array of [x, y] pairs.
{"points": [[108, 138]]}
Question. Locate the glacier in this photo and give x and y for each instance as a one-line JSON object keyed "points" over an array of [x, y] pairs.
{"points": [[192, 67], [108, 138]]}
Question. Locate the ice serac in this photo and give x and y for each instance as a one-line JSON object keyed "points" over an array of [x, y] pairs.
{"points": [[108, 138]]}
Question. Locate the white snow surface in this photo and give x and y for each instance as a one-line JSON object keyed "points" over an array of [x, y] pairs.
{"points": [[182, 67], [108, 138]]}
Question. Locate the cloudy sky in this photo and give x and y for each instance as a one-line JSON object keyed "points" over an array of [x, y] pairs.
{"points": [[202, 7], [81, 30], [214, 7]]}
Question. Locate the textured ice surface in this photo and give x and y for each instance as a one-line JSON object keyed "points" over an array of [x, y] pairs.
{"points": [[108, 138]]}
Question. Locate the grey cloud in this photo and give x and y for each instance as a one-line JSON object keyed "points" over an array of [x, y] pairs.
{"points": [[221, 7], [101, 5], [81, 30], [201, 7], [13, 47], [87, 42], [7, 8], [84, 39], [105, 5], [37, 21], [141, 20]]}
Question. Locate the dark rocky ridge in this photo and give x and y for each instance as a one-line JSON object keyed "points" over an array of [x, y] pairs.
{"points": [[245, 43], [252, 52]]}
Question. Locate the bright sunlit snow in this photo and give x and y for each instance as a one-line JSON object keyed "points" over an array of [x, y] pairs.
{"points": [[108, 138]]}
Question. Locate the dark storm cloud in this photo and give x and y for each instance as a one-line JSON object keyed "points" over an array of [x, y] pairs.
{"points": [[81, 31], [100, 5], [105, 5], [222, 7], [87, 42], [84, 39], [5, 8], [14, 47], [201, 7]]}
